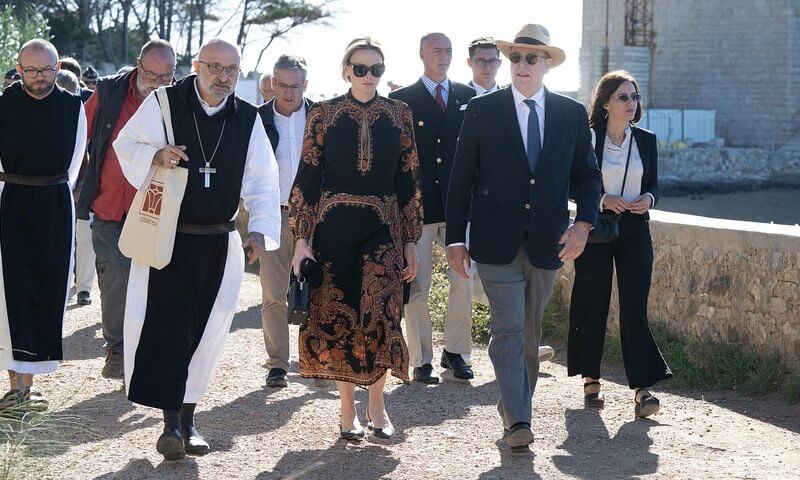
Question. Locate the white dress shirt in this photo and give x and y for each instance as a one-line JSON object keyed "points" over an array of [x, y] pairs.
{"points": [[613, 169], [431, 86], [144, 135], [479, 90], [523, 110], [290, 144]]}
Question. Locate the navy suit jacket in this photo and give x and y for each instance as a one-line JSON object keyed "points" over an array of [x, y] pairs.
{"points": [[436, 134], [510, 206]]}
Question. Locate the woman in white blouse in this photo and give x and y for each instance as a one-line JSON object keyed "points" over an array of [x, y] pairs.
{"points": [[619, 146]]}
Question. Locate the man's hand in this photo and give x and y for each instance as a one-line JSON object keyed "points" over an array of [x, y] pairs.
{"points": [[641, 205], [412, 262], [458, 256], [574, 241], [169, 156], [255, 241]]}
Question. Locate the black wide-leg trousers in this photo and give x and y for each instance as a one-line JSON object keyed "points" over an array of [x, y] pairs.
{"points": [[632, 255]]}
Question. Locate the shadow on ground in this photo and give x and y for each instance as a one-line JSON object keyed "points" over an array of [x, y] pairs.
{"points": [[589, 444], [340, 461], [760, 407]]}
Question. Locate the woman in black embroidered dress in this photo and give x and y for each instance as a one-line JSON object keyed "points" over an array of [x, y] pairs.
{"points": [[356, 199]]}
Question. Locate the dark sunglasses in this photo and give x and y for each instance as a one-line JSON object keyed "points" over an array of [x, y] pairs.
{"points": [[362, 70], [623, 97], [530, 59]]}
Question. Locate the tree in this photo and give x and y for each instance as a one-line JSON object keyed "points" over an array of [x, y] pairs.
{"points": [[275, 18], [96, 31], [17, 26]]}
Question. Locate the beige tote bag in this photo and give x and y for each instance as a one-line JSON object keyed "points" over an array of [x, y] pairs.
{"points": [[148, 235]]}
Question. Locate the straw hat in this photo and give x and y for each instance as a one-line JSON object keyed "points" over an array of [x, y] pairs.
{"points": [[534, 37]]}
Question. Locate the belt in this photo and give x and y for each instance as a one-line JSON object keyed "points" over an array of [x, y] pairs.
{"points": [[284, 208], [34, 181], [214, 229]]}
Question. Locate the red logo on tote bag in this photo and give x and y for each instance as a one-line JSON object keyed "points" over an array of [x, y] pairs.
{"points": [[152, 200]]}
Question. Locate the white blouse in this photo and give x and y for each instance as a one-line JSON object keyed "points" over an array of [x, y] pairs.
{"points": [[613, 169]]}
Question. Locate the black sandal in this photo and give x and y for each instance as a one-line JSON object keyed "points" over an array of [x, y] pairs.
{"points": [[593, 400], [647, 405]]}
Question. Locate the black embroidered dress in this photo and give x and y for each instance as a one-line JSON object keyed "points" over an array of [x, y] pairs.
{"points": [[357, 199]]}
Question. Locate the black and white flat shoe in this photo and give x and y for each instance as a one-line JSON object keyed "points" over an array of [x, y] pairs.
{"points": [[387, 431]]}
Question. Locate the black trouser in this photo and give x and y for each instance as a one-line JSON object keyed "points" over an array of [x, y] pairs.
{"points": [[632, 254]]}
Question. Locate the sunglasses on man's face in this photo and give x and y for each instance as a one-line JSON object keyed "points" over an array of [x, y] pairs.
{"points": [[623, 97], [361, 71], [530, 59]]}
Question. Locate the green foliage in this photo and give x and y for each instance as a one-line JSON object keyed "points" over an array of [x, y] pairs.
{"points": [[269, 12], [17, 26], [694, 363], [27, 438]]}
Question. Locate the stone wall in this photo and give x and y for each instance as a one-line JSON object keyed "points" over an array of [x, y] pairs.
{"points": [[710, 170], [738, 57], [723, 280]]}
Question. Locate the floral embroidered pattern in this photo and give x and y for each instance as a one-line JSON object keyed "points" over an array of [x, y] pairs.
{"points": [[357, 210]]}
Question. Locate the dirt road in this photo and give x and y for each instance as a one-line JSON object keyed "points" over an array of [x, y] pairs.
{"points": [[450, 431]]}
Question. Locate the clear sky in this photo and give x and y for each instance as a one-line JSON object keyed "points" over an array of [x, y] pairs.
{"points": [[399, 24]]}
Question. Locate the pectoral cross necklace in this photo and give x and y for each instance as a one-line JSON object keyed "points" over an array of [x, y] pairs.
{"points": [[207, 170]]}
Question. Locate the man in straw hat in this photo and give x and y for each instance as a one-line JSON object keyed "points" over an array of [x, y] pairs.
{"points": [[523, 150]]}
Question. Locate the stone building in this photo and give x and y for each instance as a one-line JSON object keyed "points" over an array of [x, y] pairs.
{"points": [[740, 58]]}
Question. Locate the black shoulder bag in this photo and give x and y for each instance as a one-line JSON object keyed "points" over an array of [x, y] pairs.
{"points": [[606, 229]]}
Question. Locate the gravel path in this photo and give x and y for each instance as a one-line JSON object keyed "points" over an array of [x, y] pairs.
{"points": [[450, 431]]}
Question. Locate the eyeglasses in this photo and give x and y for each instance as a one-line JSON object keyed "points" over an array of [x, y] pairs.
{"points": [[155, 77], [483, 63], [623, 97], [217, 69], [530, 59], [282, 87], [35, 72], [362, 70]]}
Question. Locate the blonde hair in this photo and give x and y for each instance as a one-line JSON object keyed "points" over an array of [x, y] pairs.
{"points": [[361, 43]]}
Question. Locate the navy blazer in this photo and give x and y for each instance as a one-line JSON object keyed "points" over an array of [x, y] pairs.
{"points": [[436, 134], [267, 114], [510, 206]]}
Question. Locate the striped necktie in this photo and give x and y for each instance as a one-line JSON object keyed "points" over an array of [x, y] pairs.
{"points": [[440, 98]]}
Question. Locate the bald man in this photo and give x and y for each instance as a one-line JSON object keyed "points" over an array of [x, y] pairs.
{"points": [[106, 195], [177, 318], [437, 104], [42, 142]]}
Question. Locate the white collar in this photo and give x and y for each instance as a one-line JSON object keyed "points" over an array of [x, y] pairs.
{"points": [[444, 83], [208, 108], [625, 142], [299, 111], [538, 97], [479, 88]]}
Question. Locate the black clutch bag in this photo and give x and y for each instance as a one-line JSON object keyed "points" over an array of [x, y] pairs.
{"points": [[298, 297], [606, 229], [299, 300]]}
